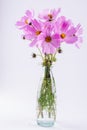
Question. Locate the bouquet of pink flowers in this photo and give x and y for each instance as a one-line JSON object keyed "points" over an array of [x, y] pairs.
{"points": [[49, 31], [47, 34]]}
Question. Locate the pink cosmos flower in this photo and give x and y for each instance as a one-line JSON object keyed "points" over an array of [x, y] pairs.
{"points": [[33, 32], [66, 30], [25, 20], [48, 41], [49, 15]]}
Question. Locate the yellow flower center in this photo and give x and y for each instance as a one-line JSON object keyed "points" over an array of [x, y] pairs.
{"points": [[38, 32], [26, 21], [48, 39], [63, 35]]}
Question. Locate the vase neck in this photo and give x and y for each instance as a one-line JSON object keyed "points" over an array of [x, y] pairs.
{"points": [[47, 70]]}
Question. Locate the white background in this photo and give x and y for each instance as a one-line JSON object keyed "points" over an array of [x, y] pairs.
{"points": [[20, 74]]}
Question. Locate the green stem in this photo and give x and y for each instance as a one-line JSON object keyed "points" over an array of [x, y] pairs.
{"points": [[40, 53], [46, 98], [55, 53]]}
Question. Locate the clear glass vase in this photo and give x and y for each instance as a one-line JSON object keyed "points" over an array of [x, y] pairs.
{"points": [[46, 99]]}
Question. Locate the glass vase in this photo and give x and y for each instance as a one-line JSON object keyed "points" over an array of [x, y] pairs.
{"points": [[46, 99]]}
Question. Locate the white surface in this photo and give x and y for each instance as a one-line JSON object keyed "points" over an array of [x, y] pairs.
{"points": [[20, 74]]}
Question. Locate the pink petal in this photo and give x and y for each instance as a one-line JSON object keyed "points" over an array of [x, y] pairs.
{"points": [[30, 14], [29, 36], [55, 40], [71, 31], [79, 29], [36, 24], [71, 40], [55, 43], [43, 14], [19, 23], [52, 49], [48, 48], [33, 43], [24, 18], [79, 42]]}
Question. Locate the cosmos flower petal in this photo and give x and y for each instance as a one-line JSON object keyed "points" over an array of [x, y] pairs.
{"points": [[52, 49], [43, 14], [29, 36], [71, 31], [36, 24], [79, 29], [48, 49], [28, 13], [71, 40], [55, 43], [19, 23], [79, 42], [33, 42]]}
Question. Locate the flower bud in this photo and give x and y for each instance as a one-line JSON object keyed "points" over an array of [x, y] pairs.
{"points": [[23, 37], [59, 50], [34, 55]]}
